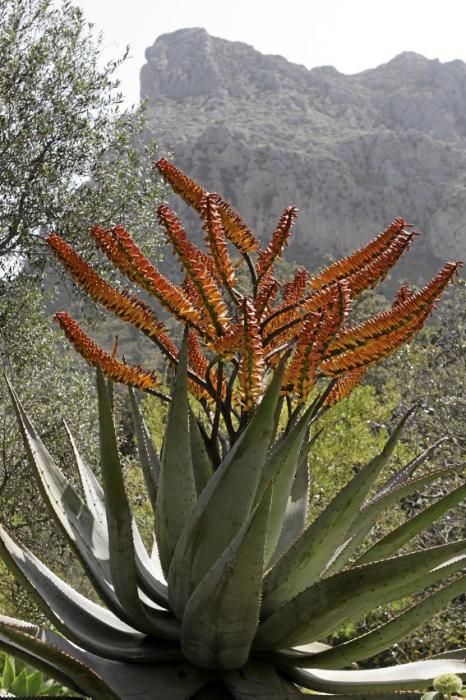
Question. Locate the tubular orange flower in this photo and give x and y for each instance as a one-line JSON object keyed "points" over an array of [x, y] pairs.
{"points": [[195, 267], [267, 289], [192, 192], [402, 295], [124, 305], [228, 344], [216, 239], [374, 350], [374, 272], [97, 357], [395, 318], [252, 365], [361, 257], [294, 290], [120, 248], [316, 334], [345, 385], [279, 241]]}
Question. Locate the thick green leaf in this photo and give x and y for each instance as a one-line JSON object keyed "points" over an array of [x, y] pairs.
{"points": [[395, 539], [35, 683], [221, 617], [120, 530], [202, 466], [148, 457], [95, 500], [44, 650], [224, 505], [386, 635], [281, 468], [326, 605], [100, 678], [412, 676], [370, 512], [9, 672], [20, 684], [176, 495], [297, 508], [86, 623], [258, 679], [307, 558]]}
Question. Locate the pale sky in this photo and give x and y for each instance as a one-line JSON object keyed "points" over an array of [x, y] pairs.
{"points": [[351, 35]]}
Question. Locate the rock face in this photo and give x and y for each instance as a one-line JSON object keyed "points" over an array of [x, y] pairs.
{"points": [[352, 152]]}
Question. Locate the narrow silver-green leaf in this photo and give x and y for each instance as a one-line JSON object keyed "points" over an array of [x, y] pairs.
{"points": [[411, 676], [395, 539], [120, 529], [386, 635], [176, 495], [225, 504], [369, 513], [148, 457], [87, 537], [202, 466], [221, 617], [93, 491], [80, 619], [307, 558], [323, 607]]}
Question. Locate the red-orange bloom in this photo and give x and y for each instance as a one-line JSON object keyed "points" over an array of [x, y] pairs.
{"points": [[192, 193], [215, 236], [124, 305], [279, 241], [252, 365], [120, 248], [197, 270], [352, 263], [97, 357]]}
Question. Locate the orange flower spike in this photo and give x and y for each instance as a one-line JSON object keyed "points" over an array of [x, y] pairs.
{"points": [[345, 385], [364, 255], [279, 241], [374, 350], [192, 193], [228, 344], [374, 272], [147, 276], [252, 365], [294, 290], [314, 339], [215, 236], [399, 315], [267, 289], [403, 294], [195, 267], [124, 305], [96, 357], [302, 367], [120, 248]]}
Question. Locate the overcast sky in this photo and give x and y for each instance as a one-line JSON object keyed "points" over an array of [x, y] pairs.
{"points": [[351, 35]]}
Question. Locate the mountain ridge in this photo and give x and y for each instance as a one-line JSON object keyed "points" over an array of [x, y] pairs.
{"points": [[351, 151]]}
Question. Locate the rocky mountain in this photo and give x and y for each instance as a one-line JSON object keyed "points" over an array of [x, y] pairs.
{"points": [[351, 151]]}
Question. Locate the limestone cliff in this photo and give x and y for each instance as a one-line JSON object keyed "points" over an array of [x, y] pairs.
{"points": [[351, 151]]}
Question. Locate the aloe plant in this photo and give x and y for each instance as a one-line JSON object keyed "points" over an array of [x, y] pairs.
{"points": [[242, 584]]}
